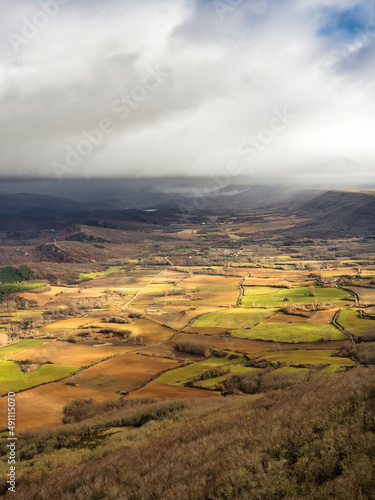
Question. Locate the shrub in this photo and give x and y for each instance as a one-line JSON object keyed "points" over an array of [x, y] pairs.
{"points": [[10, 274], [265, 380], [365, 353], [193, 347], [369, 335]]}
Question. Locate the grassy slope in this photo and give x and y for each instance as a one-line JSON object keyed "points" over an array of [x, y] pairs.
{"points": [[311, 441]]}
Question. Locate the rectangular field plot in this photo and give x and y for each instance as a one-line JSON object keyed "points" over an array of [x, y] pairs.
{"points": [[311, 317], [22, 345], [240, 345], [43, 297], [163, 392], [307, 357], [66, 325], [293, 332], [13, 379], [122, 373], [233, 318], [351, 321], [212, 290], [42, 407], [273, 297], [142, 331], [178, 318], [99, 274], [67, 353], [181, 375], [276, 282]]}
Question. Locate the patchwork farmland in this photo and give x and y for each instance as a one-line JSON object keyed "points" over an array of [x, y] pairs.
{"points": [[176, 333]]}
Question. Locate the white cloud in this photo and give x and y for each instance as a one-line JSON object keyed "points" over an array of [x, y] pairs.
{"points": [[225, 78]]}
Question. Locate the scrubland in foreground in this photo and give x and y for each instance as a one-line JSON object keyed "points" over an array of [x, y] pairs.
{"points": [[314, 440]]}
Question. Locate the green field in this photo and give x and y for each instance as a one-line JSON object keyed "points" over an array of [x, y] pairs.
{"points": [[99, 274], [351, 321], [272, 297], [233, 318], [181, 375], [291, 332], [20, 287], [12, 379], [21, 345], [308, 357]]}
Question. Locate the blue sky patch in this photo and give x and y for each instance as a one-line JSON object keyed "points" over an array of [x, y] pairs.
{"points": [[346, 23]]}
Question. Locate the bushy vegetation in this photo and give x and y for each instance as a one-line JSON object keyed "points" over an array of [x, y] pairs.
{"points": [[80, 410], [11, 274], [365, 353], [116, 413], [193, 347], [18, 288], [314, 441], [254, 382]]}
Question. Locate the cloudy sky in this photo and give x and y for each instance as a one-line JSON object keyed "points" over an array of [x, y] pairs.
{"points": [[271, 89]]}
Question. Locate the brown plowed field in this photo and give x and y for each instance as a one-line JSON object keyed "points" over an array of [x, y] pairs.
{"points": [[42, 407], [123, 373]]}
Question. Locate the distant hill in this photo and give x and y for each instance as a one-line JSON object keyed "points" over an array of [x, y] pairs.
{"points": [[336, 213], [11, 204]]}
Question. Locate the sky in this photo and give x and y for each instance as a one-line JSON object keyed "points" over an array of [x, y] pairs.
{"points": [[273, 90]]}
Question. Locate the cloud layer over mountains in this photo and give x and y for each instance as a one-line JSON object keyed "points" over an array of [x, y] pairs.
{"points": [[272, 89]]}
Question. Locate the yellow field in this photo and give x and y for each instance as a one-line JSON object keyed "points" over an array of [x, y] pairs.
{"points": [[67, 325], [68, 353], [142, 331]]}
